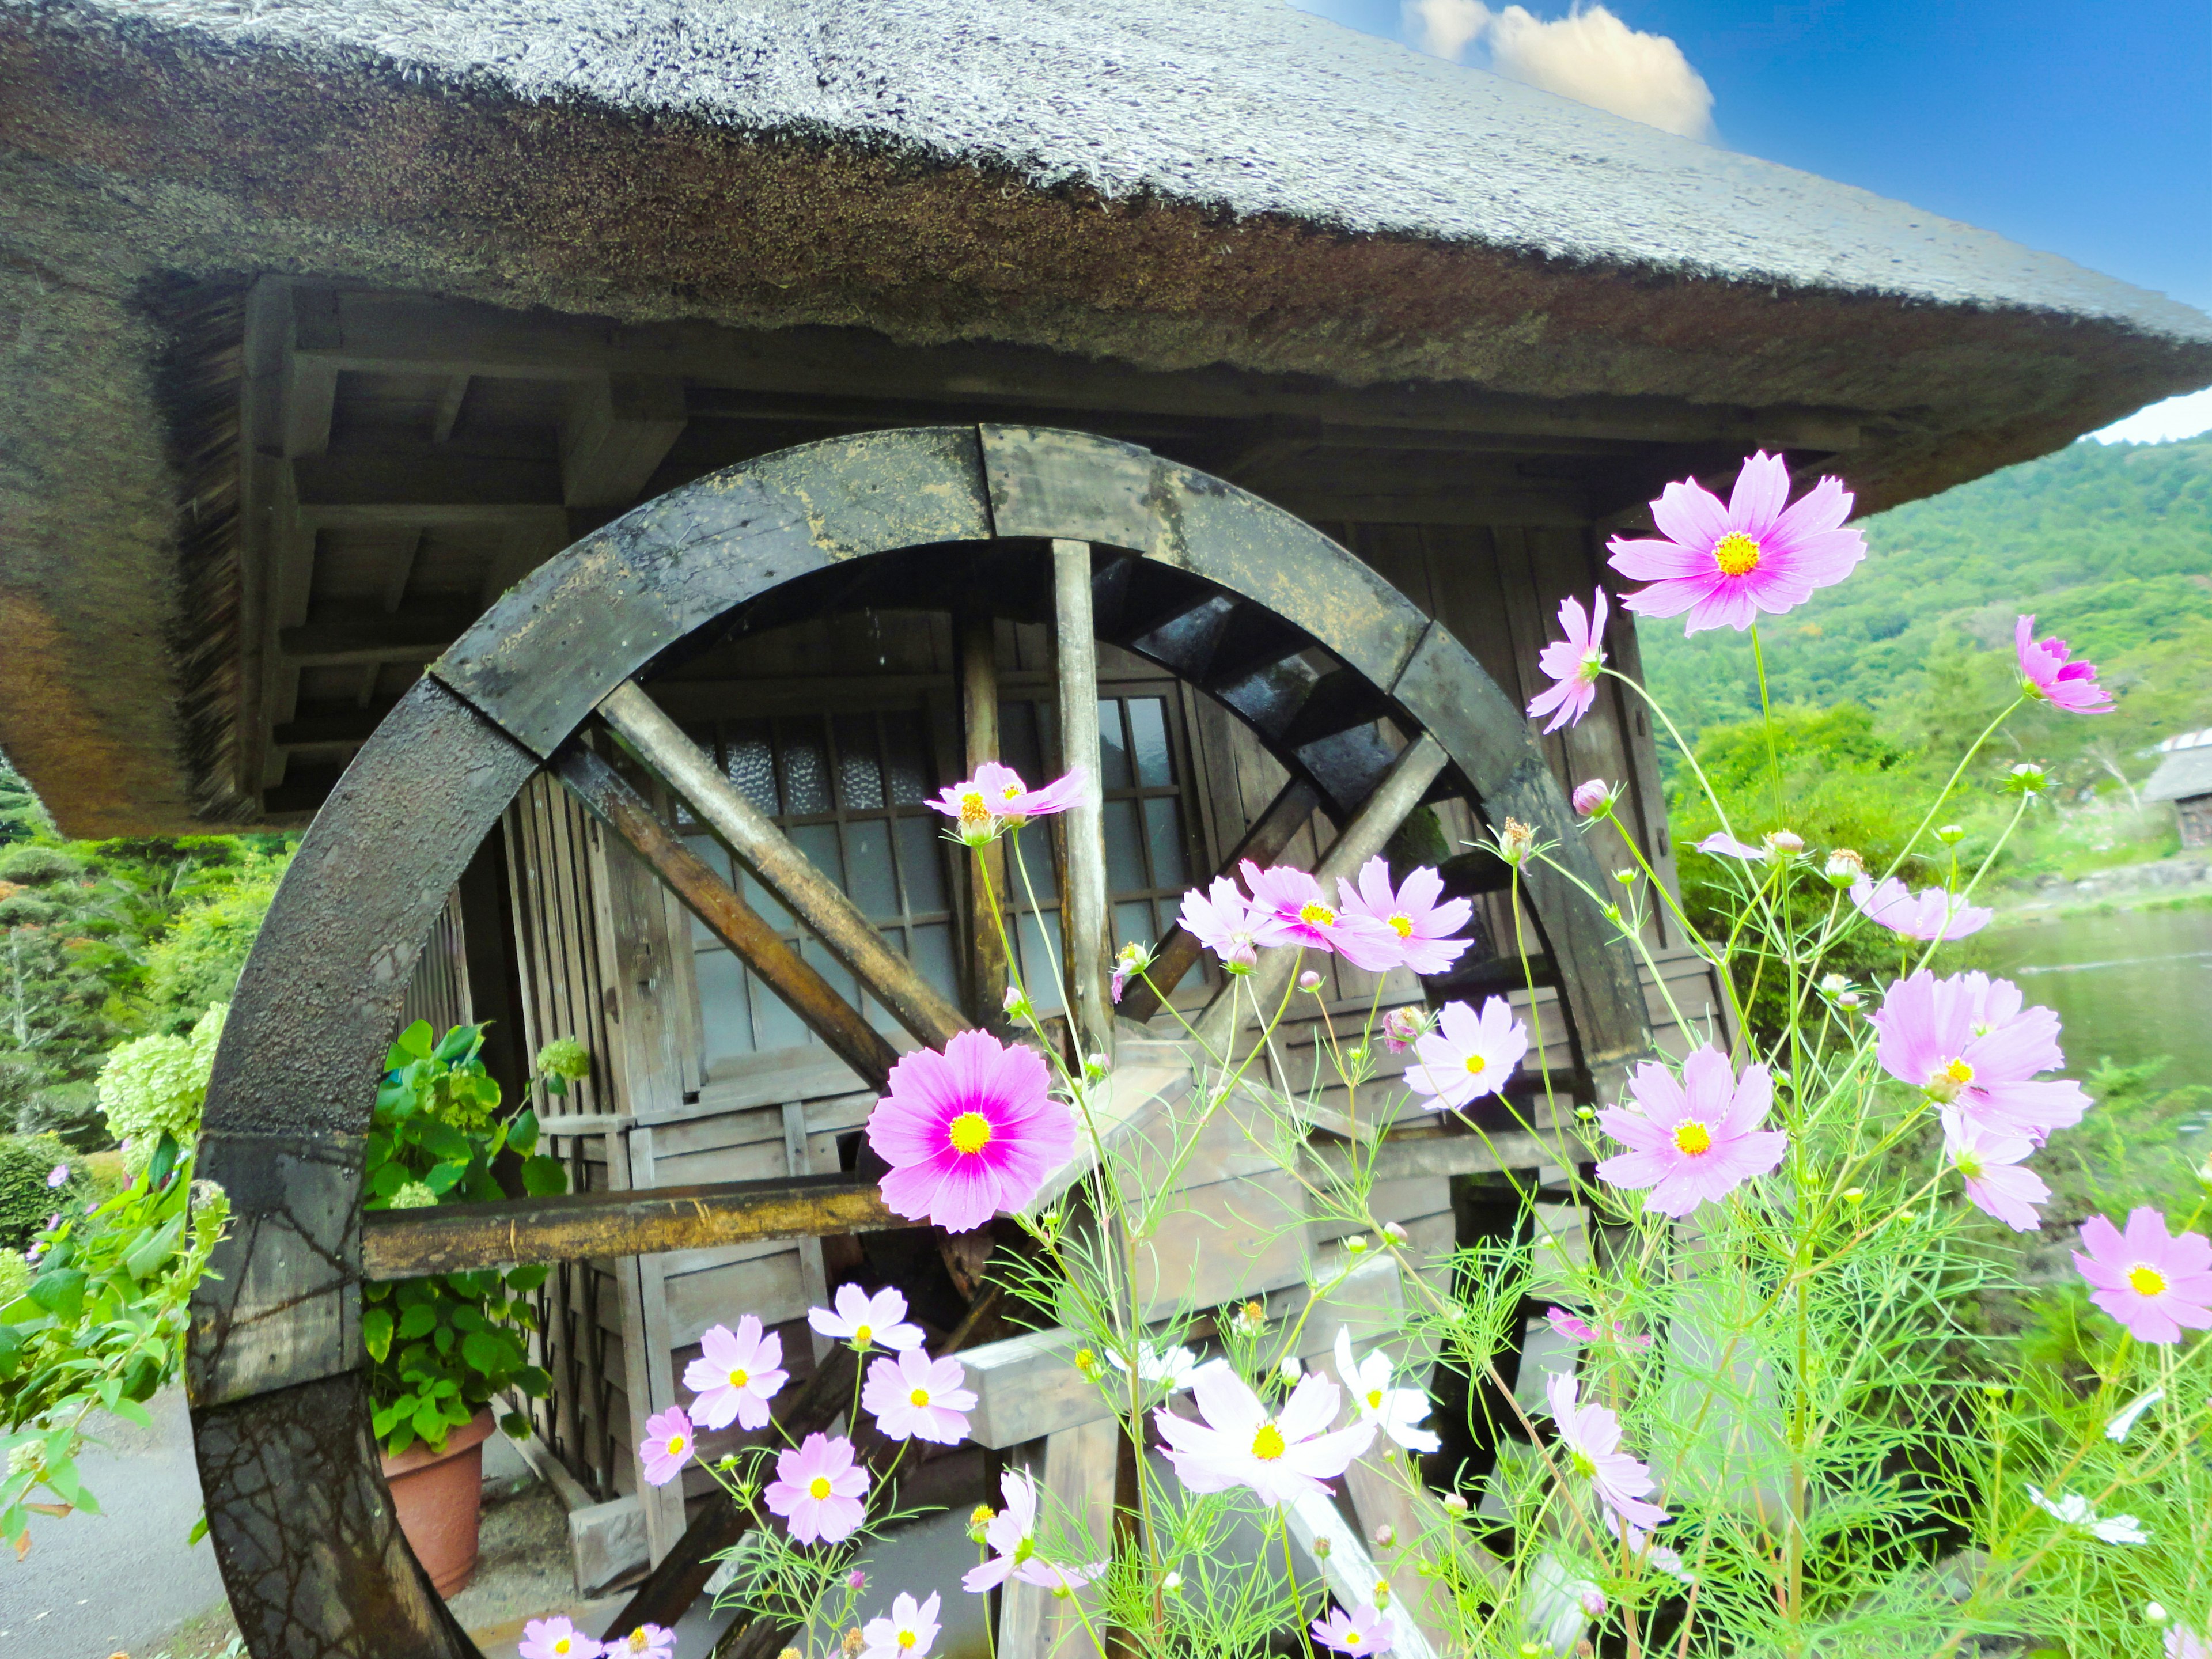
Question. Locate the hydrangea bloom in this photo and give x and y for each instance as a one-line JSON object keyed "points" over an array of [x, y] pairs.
{"points": [[914, 1397], [1967, 1042], [1725, 564], [556, 1638], [996, 799], [1293, 910], [1010, 1535], [153, 1083], [1591, 1436], [1280, 1458], [1995, 1183], [2152, 1282], [1365, 1629], [969, 1132], [668, 1445], [1423, 926], [737, 1374], [2045, 674], [1468, 1056], [648, 1641], [1574, 664], [908, 1633], [1225, 921], [1396, 1412], [1693, 1141], [867, 1321], [58, 1176], [2072, 1510], [1931, 914], [817, 1490]]}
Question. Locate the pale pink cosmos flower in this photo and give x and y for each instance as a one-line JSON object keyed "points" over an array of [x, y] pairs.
{"points": [[1721, 844], [1225, 921], [1725, 564], [907, 1633], [1574, 664], [1010, 1535], [648, 1641], [817, 1490], [1589, 796], [736, 1376], [1591, 1436], [1643, 1546], [556, 1638], [2152, 1282], [1396, 1412], [668, 1445], [1294, 911], [997, 799], [1693, 1141], [1468, 1056], [1423, 926], [1932, 914], [1281, 1458], [1365, 1629], [867, 1321], [2182, 1643], [969, 1132], [1995, 1183], [1404, 1026], [914, 1397], [2045, 675], [1577, 1328], [1967, 1043]]}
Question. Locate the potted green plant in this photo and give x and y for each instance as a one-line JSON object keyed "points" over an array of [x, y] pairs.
{"points": [[443, 1348]]}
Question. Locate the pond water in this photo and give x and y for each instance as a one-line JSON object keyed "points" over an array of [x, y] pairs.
{"points": [[2127, 985]]}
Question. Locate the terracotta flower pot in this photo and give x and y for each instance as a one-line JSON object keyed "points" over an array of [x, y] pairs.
{"points": [[437, 1495]]}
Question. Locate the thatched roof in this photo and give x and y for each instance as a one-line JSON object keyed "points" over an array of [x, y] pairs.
{"points": [[1235, 187], [2187, 771]]}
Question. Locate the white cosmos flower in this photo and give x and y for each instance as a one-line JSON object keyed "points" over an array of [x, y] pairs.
{"points": [[1397, 1411], [2120, 1426], [2072, 1510], [866, 1321], [1175, 1367], [1281, 1457]]}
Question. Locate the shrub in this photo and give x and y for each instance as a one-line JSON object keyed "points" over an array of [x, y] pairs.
{"points": [[37, 866], [26, 1201]]}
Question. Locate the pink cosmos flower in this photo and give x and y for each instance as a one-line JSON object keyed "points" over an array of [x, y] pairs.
{"points": [[1574, 664], [2182, 1643], [1693, 1141], [1402, 1027], [1424, 926], [2045, 674], [1997, 1185], [1577, 1328], [1591, 1436], [906, 1634], [1129, 961], [648, 1641], [867, 1321], [668, 1445], [1011, 1536], [1721, 844], [736, 1374], [1225, 921], [997, 799], [556, 1638], [1281, 1457], [1293, 911], [914, 1397], [1968, 1044], [818, 1490], [1930, 913], [969, 1132], [1588, 797], [2151, 1282], [1470, 1055], [1365, 1629], [1725, 564]]}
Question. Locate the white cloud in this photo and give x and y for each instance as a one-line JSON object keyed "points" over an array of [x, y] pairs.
{"points": [[1589, 55], [2185, 416]]}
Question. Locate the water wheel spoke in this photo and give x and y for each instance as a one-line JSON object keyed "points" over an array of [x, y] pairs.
{"points": [[609, 798], [774, 857], [1084, 929]]}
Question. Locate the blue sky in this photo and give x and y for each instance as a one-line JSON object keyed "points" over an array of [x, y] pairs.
{"points": [[2084, 129]]}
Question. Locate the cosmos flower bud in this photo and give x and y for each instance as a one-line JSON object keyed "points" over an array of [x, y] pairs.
{"points": [[1396, 1232], [1845, 866], [1625, 878], [1854, 1194], [1401, 1026], [1514, 840], [1086, 1362], [1385, 1535], [1788, 842], [1251, 1318], [1242, 957], [855, 1643], [980, 1518], [856, 1580], [1833, 985], [1356, 1244], [1455, 1504], [1951, 834], [1592, 800], [1288, 1366], [1172, 1584], [1016, 1003], [1321, 1546], [2153, 1613], [1309, 980], [2025, 779]]}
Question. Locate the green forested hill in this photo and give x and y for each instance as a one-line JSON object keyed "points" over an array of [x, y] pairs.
{"points": [[2109, 545]]}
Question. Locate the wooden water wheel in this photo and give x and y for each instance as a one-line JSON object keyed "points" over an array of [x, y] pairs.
{"points": [[1372, 708]]}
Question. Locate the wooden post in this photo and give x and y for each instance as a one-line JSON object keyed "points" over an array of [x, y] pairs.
{"points": [[1083, 915], [1075, 1471], [976, 644]]}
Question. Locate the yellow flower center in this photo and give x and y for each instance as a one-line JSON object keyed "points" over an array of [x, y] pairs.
{"points": [[2146, 1280], [974, 809], [1949, 1077], [1474, 1065], [1317, 913], [1010, 792], [1967, 1165], [1736, 554], [863, 1333], [818, 1488], [636, 1644], [970, 1132], [1404, 925], [1352, 1638], [739, 1378], [562, 1644], [1958, 1071], [1267, 1445], [906, 1638], [1585, 1464], [1692, 1137], [920, 1396], [1374, 1399], [676, 1445]]}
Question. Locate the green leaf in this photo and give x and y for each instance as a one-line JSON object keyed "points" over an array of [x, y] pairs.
{"points": [[522, 1133], [459, 1044], [528, 1278], [443, 1339], [543, 1176], [447, 1143], [516, 1426], [402, 1439], [466, 1318], [413, 1043], [388, 1179], [156, 1249], [11, 1350], [534, 1381], [430, 1423], [487, 1353], [61, 1292], [131, 1412], [443, 1178], [199, 1530], [555, 1083], [417, 1320], [163, 1163], [376, 1333]]}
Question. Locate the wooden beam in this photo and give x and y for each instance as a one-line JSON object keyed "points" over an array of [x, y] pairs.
{"points": [[330, 728], [736, 923], [618, 429], [428, 477], [1263, 844], [1085, 934], [431, 516], [447, 414], [310, 378], [776, 858], [334, 635], [453, 1238], [975, 643]]}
